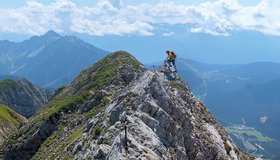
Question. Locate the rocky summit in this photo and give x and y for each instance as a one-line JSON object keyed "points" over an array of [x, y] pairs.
{"points": [[117, 109]]}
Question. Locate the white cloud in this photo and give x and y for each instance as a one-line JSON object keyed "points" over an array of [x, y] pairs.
{"points": [[168, 34], [265, 18], [113, 17], [106, 19], [35, 18], [117, 27]]}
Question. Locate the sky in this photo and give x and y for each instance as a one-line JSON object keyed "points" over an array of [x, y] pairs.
{"points": [[130, 17], [19, 3], [81, 3], [230, 31]]}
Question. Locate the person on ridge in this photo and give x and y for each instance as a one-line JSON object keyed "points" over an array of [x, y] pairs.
{"points": [[171, 56]]}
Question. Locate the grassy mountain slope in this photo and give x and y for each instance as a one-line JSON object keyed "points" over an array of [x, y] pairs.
{"points": [[9, 121]]}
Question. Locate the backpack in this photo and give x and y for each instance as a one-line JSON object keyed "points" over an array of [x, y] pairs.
{"points": [[173, 54]]}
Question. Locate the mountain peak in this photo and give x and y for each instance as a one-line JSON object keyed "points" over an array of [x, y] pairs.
{"points": [[118, 68], [46, 38], [51, 33]]}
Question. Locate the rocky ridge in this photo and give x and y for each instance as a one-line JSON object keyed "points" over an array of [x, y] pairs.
{"points": [[117, 109], [23, 96]]}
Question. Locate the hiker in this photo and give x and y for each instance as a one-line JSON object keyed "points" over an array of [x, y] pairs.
{"points": [[171, 56]]}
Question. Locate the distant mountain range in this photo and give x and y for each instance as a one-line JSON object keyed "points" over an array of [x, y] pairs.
{"points": [[49, 60]]}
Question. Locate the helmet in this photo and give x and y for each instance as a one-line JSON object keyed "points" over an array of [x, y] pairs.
{"points": [[167, 51]]}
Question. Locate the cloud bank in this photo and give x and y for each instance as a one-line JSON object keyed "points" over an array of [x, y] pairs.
{"points": [[113, 17]]}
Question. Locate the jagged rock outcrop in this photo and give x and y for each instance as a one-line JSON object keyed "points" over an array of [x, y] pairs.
{"points": [[117, 109], [10, 121], [23, 96]]}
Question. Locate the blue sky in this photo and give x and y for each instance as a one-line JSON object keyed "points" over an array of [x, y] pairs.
{"points": [[18, 3], [147, 18]]}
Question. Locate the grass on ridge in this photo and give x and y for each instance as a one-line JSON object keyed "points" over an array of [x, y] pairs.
{"points": [[8, 115]]}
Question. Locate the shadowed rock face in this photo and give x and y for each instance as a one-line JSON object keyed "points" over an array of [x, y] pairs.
{"points": [[117, 109], [23, 96]]}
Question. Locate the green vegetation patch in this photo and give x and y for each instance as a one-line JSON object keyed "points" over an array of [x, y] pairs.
{"points": [[48, 145], [56, 144], [254, 133], [57, 105], [106, 100], [97, 130], [8, 115], [75, 135], [108, 67], [177, 84], [7, 83], [53, 138], [59, 90], [104, 76], [105, 70]]}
